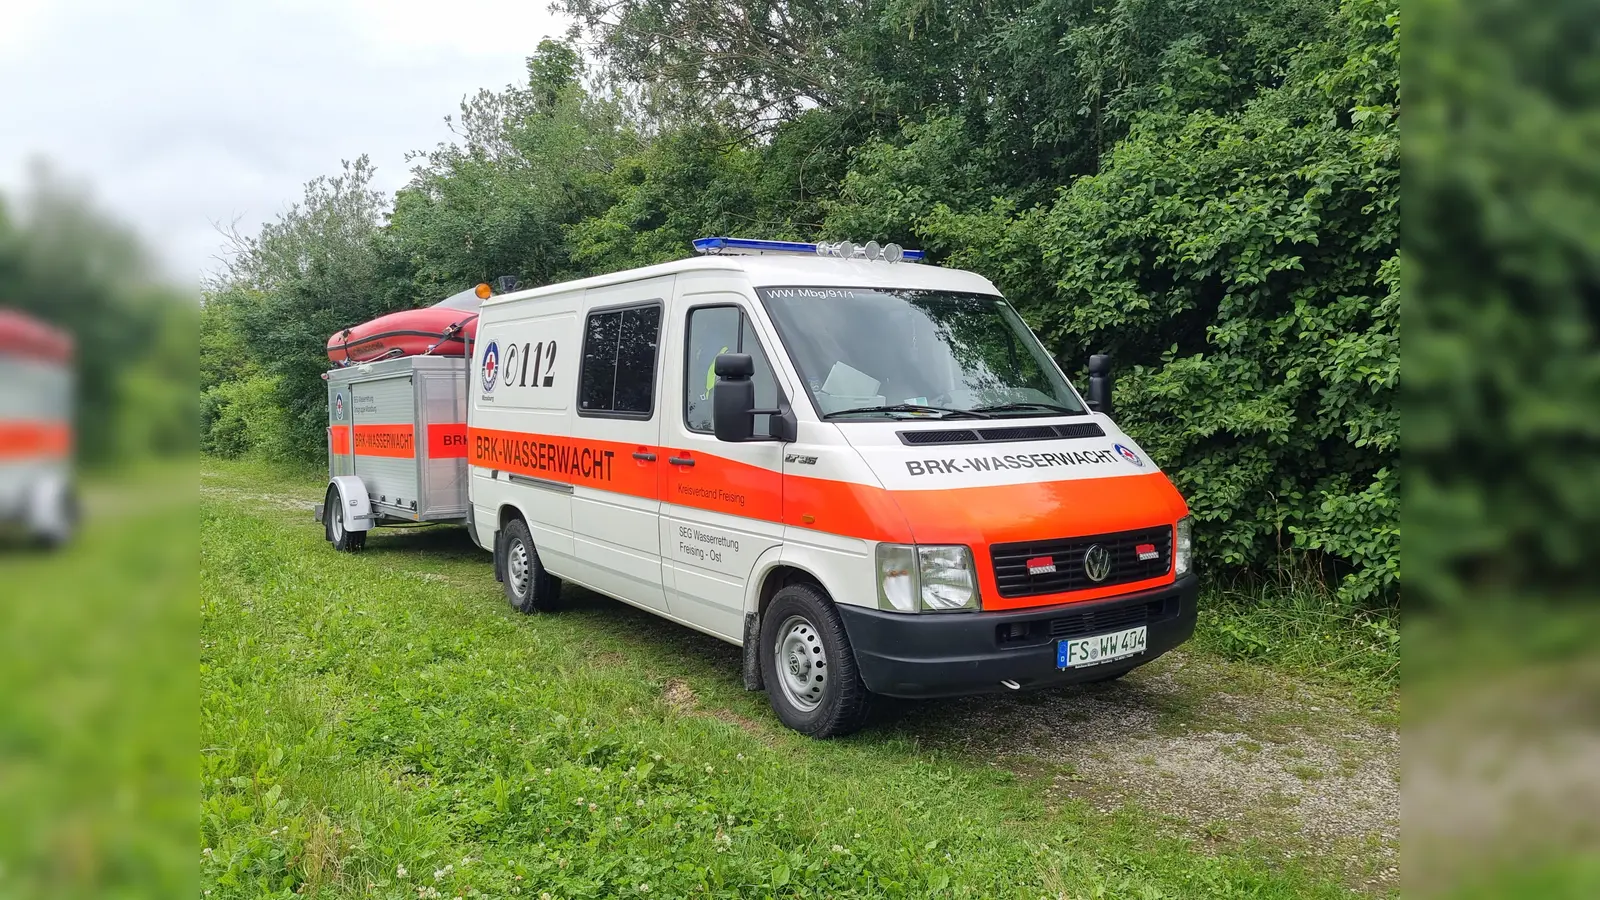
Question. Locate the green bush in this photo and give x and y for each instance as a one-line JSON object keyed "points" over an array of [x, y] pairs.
{"points": [[244, 417], [1502, 248], [1243, 270]]}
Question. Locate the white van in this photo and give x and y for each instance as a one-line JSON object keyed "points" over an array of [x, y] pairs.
{"points": [[868, 473], [865, 471]]}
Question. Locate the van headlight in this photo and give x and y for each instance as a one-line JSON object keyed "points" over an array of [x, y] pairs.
{"points": [[897, 577], [926, 578], [1183, 552]]}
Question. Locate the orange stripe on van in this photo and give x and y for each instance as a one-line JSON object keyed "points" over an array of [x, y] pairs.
{"points": [[723, 485], [608, 465], [975, 516], [339, 440], [34, 440]]}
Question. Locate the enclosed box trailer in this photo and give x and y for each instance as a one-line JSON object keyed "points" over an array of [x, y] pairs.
{"points": [[397, 446]]}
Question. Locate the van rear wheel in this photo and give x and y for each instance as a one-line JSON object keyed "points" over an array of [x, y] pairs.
{"points": [[808, 665], [529, 588]]}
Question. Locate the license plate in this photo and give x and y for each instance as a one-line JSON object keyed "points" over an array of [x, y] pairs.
{"points": [[1074, 653]]}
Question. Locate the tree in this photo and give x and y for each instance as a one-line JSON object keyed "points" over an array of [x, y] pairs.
{"points": [[317, 268]]}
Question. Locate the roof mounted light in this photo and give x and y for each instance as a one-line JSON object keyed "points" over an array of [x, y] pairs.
{"points": [[714, 245], [841, 249]]}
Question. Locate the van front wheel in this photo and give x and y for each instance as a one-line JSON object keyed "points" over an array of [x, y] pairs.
{"points": [[529, 588], [808, 666]]}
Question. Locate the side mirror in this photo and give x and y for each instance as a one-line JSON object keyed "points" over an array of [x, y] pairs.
{"points": [[1100, 383], [733, 398]]}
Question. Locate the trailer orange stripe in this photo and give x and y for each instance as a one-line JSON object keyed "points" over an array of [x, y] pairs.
{"points": [[447, 441], [393, 441], [21, 439]]}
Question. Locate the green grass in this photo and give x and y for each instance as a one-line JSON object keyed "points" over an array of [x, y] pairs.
{"points": [[97, 697], [1301, 629], [383, 725]]}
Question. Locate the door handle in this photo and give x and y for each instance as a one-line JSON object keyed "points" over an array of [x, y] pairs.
{"points": [[644, 457], [680, 460]]}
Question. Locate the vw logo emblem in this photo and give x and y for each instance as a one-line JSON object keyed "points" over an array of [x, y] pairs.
{"points": [[1097, 563]]}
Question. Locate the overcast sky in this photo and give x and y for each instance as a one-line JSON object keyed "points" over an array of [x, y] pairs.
{"points": [[181, 113]]}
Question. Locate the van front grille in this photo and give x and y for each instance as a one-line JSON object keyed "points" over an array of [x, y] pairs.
{"points": [[1115, 619], [1058, 566]]}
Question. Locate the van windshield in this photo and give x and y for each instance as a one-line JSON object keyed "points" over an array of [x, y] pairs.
{"points": [[876, 353]]}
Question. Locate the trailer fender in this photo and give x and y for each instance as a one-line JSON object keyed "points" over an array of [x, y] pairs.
{"points": [[355, 507], [52, 508]]}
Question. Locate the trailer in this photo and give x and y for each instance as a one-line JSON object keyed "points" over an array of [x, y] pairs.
{"points": [[36, 401], [397, 446]]}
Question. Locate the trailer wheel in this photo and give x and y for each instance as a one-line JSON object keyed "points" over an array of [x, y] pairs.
{"points": [[529, 588], [343, 539], [809, 669], [55, 516]]}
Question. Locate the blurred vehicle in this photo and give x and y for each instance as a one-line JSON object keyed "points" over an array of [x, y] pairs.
{"points": [[37, 492]]}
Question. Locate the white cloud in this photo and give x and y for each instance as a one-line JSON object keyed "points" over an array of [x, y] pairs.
{"points": [[182, 113]]}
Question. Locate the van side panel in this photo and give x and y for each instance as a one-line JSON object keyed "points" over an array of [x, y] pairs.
{"points": [[525, 376], [725, 511], [616, 496]]}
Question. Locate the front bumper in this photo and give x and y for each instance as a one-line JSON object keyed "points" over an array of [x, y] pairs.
{"points": [[950, 654]]}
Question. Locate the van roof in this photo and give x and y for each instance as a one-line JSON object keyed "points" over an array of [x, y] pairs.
{"points": [[785, 270]]}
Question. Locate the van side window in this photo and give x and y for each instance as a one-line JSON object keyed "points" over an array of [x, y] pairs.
{"points": [[618, 373], [714, 330]]}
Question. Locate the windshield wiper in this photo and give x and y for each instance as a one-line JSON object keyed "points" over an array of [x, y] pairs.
{"points": [[912, 408], [1014, 407]]}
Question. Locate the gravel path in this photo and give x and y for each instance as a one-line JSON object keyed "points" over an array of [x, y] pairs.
{"points": [[1230, 754]]}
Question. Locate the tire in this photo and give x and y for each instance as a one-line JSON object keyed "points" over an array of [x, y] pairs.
{"points": [[818, 690], [529, 588], [333, 528], [58, 527]]}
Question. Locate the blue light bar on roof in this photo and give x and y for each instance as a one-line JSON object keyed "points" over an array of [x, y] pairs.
{"points": [[750, 245]]}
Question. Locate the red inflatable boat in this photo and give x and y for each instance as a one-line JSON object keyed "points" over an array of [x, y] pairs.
{"points": [[23, 336], [443, 329]]}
